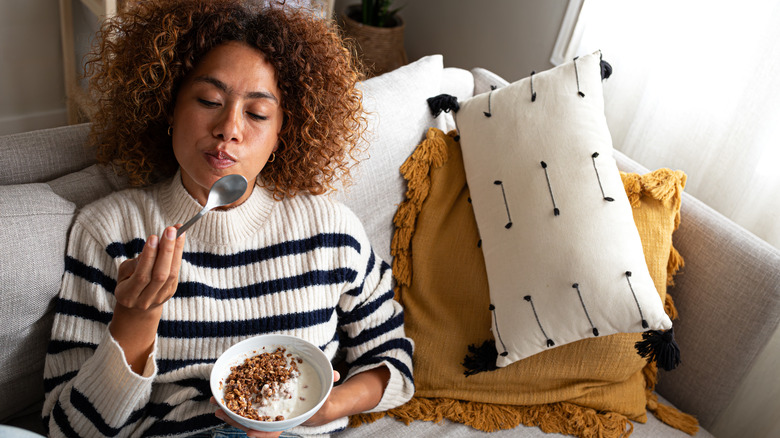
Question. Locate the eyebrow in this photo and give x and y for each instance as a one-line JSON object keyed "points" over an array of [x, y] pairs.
{"points": [[224, 87]]}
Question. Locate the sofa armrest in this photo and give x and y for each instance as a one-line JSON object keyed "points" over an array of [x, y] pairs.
{"points": [[728, 298]]}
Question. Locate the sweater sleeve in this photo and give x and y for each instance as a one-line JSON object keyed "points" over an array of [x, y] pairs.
{"points": [[371, 324], [90, 389]]}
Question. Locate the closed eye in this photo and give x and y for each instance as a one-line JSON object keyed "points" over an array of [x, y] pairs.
{"points": [[257, 116], [208, 103]]}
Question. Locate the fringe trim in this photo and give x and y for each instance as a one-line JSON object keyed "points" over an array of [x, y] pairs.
{"points": [[674, 264], [666, 186], [562, 417], [672, 416], [416, 170]]}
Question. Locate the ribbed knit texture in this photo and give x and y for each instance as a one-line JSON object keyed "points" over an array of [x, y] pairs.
{"points": [[302, 266]]}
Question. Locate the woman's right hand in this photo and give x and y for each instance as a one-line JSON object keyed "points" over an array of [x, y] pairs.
{"points": [[144, 284]]}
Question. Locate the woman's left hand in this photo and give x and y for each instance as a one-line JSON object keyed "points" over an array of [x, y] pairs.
{"points": [[358, 394]]}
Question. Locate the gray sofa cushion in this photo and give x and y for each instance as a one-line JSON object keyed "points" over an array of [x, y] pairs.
{"points": [[87, 185], [33, 235], [43, 155]]}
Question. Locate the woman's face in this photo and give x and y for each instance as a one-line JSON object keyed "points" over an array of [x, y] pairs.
{"points": [[226, 119]]}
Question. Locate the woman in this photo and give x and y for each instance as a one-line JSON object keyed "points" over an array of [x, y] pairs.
{"points": [[190, 91]]}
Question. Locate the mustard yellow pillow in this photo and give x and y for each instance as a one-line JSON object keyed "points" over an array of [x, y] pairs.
{"points": [[577, 388]]}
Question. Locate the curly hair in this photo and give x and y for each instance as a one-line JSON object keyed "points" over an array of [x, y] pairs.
{"points": [[144, 53]]}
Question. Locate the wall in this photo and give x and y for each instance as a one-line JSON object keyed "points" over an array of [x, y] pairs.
{"points": [[32, 88], [32, 93], [508, 37]]}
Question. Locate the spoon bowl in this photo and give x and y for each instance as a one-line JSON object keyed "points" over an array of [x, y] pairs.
{"points": [[225, 191]]}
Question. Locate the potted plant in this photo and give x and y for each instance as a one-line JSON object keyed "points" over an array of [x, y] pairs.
{"points": [[378, 32]]}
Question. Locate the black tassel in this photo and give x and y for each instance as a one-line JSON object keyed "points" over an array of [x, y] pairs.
{"points": [[443, 102], [660, 347], [482, 358], [606, 69]]}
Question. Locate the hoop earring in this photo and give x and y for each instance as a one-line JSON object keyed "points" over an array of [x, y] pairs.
{"points": [[272, 158], [170, 130]]}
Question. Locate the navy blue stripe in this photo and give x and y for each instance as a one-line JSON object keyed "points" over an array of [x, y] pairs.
{"points": [[52, 382], [201, 385], [193, 424], [170, 365], [397, 364], [127, 250], [369, 334], [250, 327], [81, 403], [383, 268], [402, 344], [291, 247], [158, 410], [56, 347], [72, 308], [375, 355], [61, 420], [364, 310], [371, 262], [359, 289], [92, 275], [311, 278]]}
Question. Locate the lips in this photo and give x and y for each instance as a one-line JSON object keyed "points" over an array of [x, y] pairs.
{"points": [[220, 159]]}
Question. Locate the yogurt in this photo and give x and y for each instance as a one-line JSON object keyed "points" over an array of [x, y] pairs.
{"points": [[271, 386], [291, 398]]}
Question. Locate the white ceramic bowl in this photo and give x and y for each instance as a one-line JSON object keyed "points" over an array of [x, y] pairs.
{"points": [[239, 352]]}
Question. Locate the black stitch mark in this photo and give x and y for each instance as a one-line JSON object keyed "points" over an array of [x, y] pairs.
{"points": [[498, 334], [641, 315], [508, 216], [593, 158], [489, 113], [577, 75], [533, 93], [579, 294], [556, 211], [550, 342]]}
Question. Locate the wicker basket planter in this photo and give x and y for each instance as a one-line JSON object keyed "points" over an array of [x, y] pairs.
{"points": [[381, 49]]}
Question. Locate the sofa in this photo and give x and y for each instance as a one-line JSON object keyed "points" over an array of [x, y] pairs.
{"points": [[727, 294]]}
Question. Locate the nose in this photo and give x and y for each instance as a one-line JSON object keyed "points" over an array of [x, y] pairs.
{"points": [[229, 125]]}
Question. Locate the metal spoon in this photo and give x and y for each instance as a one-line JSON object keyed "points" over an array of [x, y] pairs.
{"points": [[225, 191]]}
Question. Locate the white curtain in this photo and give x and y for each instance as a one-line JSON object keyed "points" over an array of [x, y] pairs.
{"points": [[696, 87]]}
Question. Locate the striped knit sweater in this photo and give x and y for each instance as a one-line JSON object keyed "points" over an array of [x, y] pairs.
{"points": [[302, 266]]}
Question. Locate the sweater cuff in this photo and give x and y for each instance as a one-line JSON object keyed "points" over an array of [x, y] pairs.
{"points": [[397, 392], [112, 384]]}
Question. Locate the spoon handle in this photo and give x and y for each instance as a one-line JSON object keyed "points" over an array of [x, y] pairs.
{"points": [[191, 221]]}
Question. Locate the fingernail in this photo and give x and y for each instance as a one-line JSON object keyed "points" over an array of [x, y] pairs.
{"points": [[152, 242], [170, 233]]}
